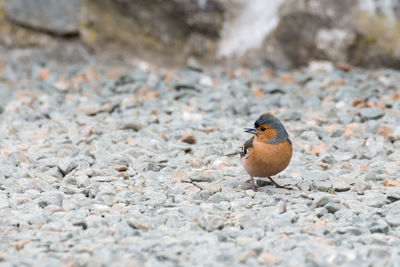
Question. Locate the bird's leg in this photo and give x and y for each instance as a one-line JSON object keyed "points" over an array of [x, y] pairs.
{"points": [[286, 186], [253, 185]]}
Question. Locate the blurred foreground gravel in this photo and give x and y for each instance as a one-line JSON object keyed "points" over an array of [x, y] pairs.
{"points": [[106, 165]]}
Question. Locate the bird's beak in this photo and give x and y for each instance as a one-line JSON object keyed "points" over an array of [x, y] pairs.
{"points": [[251, 130]]}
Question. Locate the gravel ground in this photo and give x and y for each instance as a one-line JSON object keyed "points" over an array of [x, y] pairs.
{"points": [[126, 165]]}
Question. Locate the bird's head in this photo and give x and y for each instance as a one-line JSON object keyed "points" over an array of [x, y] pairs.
{"points": [[268, 128]]}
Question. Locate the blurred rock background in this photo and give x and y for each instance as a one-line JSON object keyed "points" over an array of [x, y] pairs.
{"points": [[280, 33]]}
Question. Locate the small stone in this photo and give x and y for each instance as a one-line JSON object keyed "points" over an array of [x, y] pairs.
{"points": [[51, 198], [187, 116], [250, 193], [376, 201], [204, 194], [328, 159], [349, 230], [263, 182], [67, 165], [101, 208], [393, 193], [214, 222], [180, 175], [93, 109], [320, 212], [188, 138], [246, 255], [197, 162], [132, 222], [371, 113], [120, 168], [322, 201], [192, 189], [267, 258], [333, 207], [153, 167], [201, 177], [322, 186], [393, 220], [304, 185], [216, 198], [341, 187], [219, 164], [360, 187], [389, 182], [392, 168], [132, 124], [379, 227], [384, 130], [343, 156], [282, 207], [320, 223], [211, 187]]}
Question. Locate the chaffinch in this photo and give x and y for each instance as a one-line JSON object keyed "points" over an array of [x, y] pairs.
{"points": [[269, 151]]}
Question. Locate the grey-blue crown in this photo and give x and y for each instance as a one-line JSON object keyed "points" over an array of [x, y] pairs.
{"points": [[275, 124]]}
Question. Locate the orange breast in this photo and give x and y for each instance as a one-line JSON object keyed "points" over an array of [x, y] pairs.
{"points": [[265, 159]]}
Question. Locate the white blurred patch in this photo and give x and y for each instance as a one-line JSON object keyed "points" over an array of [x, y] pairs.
{"points": [[249, 26], [187, 116], [335, 42], [373, 6], [320, 66]]}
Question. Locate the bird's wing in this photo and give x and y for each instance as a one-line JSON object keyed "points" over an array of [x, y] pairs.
{"points": [[248, 144]]}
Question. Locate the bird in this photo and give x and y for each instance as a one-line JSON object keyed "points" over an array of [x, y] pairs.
{"points": [[268, 151]]}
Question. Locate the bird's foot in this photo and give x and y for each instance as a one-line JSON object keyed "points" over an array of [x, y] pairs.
{"points": [[286, 186], [253, 185]]}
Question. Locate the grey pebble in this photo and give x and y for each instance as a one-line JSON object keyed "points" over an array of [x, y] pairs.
{"points": [[343, 156], [371, 113], [216, 198], [214, 222], [393, 194], [322, 186], [393, 220], [341, 187], [333, 207], [82, 181], [376, 201], [322, 199], [66, 165], [379, 227], [304, 185], [360, 187], [50, 198], [202, 177]]}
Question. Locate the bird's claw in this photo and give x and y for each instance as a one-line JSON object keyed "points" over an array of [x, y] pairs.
{"points": [[286, 186]]}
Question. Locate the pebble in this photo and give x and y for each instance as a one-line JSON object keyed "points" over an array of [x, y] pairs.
{"points": [[82, 181], [67, 165], [214, 222], [360, 187], [341, 187], [322, 186], [379, 227], [216, 198], [393, 220], [322, 200], [50, 198], [333, 207], [393, 194], [371, 113]]}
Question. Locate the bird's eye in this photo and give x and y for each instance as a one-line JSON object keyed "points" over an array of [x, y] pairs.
{"points": [[263, 129]]}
